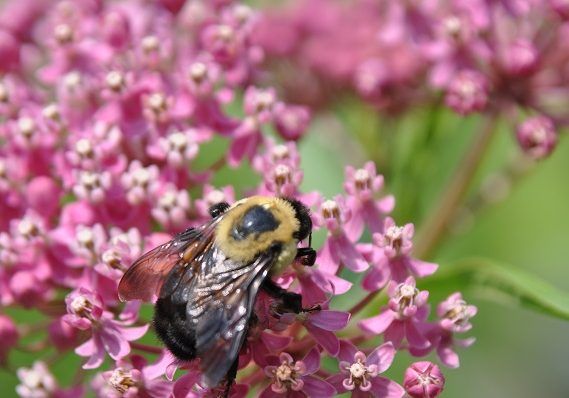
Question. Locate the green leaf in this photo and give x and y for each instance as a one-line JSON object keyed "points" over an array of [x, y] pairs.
{"points": [[502, 283]]}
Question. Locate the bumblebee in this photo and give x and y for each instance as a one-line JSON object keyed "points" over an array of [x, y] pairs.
{"points": [[207, 279]]}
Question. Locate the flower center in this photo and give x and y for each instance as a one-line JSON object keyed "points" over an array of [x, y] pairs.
{"points": [[330, 209], [405, 296], [63, 34], [82, 306], [51, 112], [26, 126], [458, 313], [362, 179], [280, 152], [178, 141], [394, 237], [282, 175], [150, 44], [115, 80], [121, 380], [28, 229], [84, 148], [4, 93], [198, 72], [359, 373]]}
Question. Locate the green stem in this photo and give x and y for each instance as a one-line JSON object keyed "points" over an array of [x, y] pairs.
{"points": [[436, 224]]}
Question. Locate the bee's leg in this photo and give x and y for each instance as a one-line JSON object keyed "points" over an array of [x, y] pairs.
{"points": [[307, 255], [230, 378], [218, 209], [288, 301]]}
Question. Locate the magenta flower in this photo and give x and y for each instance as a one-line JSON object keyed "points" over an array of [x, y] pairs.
{"points": [[403, 317], [359, 373], [454, 317], [86, 311], [362, 185], [537, 137], [390, 257], [137, 379], [424, 380], [294, 379], [338, 249]]}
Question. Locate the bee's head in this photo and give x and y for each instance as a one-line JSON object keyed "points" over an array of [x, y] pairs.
{"points": [[302, 213]]}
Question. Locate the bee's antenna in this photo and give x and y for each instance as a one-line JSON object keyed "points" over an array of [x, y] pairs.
{"points": [[310, 239]]}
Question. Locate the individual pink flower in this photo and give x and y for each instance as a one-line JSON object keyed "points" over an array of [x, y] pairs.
{"points": [[291, 121], [135, 378], [294, 378], [454, 317], [359, 373], [424, 380], [403, 318], [390, 256], [467, 92], [86, 312], [537, 136], [338, 249], [362, 186]]}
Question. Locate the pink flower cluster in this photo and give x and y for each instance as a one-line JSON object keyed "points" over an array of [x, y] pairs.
{"points": [[505, 57], [104, 108]]}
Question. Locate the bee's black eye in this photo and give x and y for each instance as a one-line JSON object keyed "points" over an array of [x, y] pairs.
{"points": [[255, 221]]}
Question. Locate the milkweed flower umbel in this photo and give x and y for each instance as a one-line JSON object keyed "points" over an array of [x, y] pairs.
{"points": [[111, 114]]}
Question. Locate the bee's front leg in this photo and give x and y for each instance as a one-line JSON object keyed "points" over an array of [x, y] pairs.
{"points": [[288, 301]]}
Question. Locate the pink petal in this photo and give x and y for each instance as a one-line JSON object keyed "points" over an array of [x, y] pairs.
{"points": [[349, 255], [414, 336], [336, 382], [378, 324], [395, 333], [422, 268], [115, 344], [448, 356], [376, 278], [269, 393], [274, 342], [86, 349], [134, 333], [385, 388], [347, 351], [355, 226], [330, 320], [317, 388], [382, 356], [326, 339], [312, 361], [331, 283]]}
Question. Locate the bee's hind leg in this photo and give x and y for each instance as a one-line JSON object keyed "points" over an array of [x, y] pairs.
{"points": [[230, 378]]}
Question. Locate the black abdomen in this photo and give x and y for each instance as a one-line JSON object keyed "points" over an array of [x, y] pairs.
{"points": [[172, 328]]}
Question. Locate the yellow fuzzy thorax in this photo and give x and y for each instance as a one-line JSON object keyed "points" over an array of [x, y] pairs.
{"points": [[246, 250]]}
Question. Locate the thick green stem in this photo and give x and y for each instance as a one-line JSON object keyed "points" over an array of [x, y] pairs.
{"points": [[436, 224]]}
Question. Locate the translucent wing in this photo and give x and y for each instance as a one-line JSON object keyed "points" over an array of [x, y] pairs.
{"points": [[220, 300], [145, 277]]}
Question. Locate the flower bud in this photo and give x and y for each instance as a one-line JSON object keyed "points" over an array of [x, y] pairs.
{"points": [[537, 137], [423, 380]]}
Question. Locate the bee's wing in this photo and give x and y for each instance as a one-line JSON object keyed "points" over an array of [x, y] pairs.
{"points": [[146, 275], [220, 304]]}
